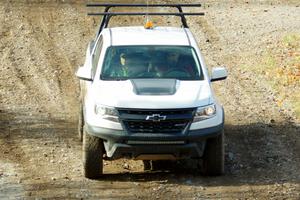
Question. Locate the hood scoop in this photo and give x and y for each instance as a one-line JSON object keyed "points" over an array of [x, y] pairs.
{"points": [[154, 86]]}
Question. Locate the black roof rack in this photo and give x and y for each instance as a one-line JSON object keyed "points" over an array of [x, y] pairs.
{"points": [[107, 15]]}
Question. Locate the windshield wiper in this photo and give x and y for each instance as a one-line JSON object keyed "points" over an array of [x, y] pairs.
{"points": [[120, 79], [113, 78]]}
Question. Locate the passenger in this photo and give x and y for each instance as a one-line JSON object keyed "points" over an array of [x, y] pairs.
{"points": [[180, 65], [187, 64]]}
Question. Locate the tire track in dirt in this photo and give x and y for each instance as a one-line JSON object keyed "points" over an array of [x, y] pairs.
{"points": [[271, 143], [37, 58], [13, 166], [23, 68], [53, 58], [257, 154], [254, 145], [24, 62]]}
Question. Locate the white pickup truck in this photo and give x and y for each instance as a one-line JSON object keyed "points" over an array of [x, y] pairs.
{"points": [[146, 95]]}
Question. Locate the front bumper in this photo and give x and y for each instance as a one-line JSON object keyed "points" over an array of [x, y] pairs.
{"points": [[120, 144]]}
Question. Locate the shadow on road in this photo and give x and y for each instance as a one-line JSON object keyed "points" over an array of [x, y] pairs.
{"points": [[255, 153]]}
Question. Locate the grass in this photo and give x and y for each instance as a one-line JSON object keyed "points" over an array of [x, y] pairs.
{"points": [[280, 67]]}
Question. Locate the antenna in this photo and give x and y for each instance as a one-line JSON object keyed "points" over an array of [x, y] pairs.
{"points": [[147, 16], [148, 24]]}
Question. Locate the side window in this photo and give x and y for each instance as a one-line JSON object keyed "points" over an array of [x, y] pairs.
{"points": [[96, 55]]}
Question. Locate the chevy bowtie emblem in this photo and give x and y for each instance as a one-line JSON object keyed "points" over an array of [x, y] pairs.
{"points": [[156, 118]]}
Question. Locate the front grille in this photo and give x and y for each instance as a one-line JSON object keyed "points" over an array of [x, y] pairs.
{"points": [[155, 142], [142, 121], [156, 127], [162, 112]]}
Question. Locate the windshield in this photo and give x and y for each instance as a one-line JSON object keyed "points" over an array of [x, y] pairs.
{"points": [[138, 62]]}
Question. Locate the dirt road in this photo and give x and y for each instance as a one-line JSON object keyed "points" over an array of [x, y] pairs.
{"points": [[41, 45]]}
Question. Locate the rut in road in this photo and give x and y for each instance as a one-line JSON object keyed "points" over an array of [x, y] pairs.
{"points": [[42, 44]]}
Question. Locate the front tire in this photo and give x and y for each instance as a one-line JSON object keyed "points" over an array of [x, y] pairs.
{"points": [[213, 158], [92, 156], [80, 123]]}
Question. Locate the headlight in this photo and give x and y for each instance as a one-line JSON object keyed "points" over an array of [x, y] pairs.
{"points": [[107, 113], [206, 112]]}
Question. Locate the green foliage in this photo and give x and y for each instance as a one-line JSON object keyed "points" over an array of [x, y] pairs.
{"points": [[280, 68]]}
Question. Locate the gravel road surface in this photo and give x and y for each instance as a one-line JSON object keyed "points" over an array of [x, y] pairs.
{"points": [[41, 46]]}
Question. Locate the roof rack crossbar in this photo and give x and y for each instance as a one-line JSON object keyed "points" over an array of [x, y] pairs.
{"points": [[143, 13], [141, 5], [107, 15]]}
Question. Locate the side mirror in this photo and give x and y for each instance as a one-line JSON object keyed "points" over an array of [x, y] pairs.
{"points": [[84, 73], [218, 73]]}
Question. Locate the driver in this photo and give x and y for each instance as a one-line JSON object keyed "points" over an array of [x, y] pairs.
{"points": [[121, 67], [172, 59]]}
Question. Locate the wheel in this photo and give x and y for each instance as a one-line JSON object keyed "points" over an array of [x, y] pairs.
{"points": [[92, 156], [213, 158], [80, 123]]}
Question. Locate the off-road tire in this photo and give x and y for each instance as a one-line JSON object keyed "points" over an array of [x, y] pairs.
{"points": [[80, 123], [92, 156], [213, 158]]}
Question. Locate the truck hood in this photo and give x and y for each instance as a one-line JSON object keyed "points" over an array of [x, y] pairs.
{"points": [[152, 93]]}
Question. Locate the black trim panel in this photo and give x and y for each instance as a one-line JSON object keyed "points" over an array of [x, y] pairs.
{"points": [[119, 136]]}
